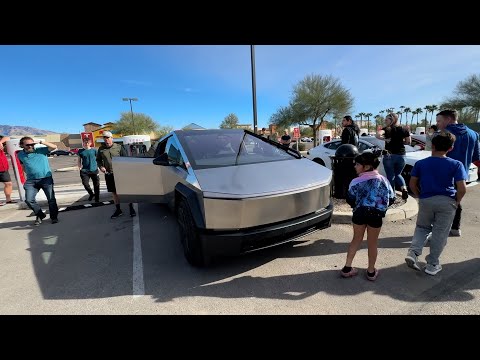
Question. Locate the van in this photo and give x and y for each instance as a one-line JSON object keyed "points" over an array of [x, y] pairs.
{"points": [[420, 130]]}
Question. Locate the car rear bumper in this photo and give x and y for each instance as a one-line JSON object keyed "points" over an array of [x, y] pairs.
{"points": [[220, 243]]}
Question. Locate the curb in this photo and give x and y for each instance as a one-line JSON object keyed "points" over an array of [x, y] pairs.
{"points": [[406, 211], [71, 168]]}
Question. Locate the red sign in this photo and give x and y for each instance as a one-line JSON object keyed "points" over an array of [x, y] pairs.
{"points": [[87, 135], [296, 133]]}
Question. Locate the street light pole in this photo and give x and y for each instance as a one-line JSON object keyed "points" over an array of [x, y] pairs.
{"points": [[252, 60], [131, 111]]}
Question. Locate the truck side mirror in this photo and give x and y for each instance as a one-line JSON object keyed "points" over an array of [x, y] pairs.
{"points": [[162, 160]]}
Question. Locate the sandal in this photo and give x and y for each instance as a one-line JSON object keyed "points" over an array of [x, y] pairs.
{"points": [[351, 273], [11, 202]]}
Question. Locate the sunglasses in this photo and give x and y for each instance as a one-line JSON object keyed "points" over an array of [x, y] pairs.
{"points": [[28, 145]]}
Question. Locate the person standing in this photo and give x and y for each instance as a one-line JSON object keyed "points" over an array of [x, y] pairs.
{"points": [[286, 139], [350, 131], [434, 180], [4, 174], [264, 133], [369, 195], [429, 136], [465, 149], [39, 176], [104, 162], [395, 137], [87, 165]]}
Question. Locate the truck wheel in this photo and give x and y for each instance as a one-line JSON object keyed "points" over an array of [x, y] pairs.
{"points": [[192, 247]]}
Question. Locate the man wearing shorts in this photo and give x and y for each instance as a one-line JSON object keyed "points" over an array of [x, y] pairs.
{"points": [[104, 161], [4, 174]]}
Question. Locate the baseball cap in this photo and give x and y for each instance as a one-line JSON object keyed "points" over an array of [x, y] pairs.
{"points": [[107, 134]]}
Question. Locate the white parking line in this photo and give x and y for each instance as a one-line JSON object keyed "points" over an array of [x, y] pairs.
{"points": [[138, 284]]}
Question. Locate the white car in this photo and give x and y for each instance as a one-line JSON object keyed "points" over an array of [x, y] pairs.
{"points": [[321, 155]]}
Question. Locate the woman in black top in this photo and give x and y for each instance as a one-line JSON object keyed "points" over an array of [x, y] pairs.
{"points": [[395, 136]]}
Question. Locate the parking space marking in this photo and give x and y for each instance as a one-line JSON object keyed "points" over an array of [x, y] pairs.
{"points": [[85, 206], [138, 284]]}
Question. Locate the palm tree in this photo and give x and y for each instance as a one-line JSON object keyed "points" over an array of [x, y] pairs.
{"points": [[406, 111], [414, 112], [401, 113], [427, 110], [368, 121], [418, 111], [433, 108]]}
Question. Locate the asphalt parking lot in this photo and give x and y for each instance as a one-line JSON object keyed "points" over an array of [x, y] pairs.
{"points": [[90, 264]]}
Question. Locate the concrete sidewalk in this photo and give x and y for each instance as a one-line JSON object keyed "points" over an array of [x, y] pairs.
{"points": [[405, 211], [66, 195]]}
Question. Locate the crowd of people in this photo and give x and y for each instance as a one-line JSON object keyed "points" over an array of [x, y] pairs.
{"points": [[439, 183]]}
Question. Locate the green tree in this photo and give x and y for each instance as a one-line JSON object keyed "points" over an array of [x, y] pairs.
{"points": [[418, 112], [314, 99], [141, 124], [466, 96], [230, 122], [406, 110], [162, 131], [367, 115]]}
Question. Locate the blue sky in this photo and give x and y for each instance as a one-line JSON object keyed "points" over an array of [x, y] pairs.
{"points": [[60, 87]]}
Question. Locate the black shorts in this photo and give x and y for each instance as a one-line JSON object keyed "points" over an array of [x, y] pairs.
{"points": [[368, 216], [5, 176], [110, 181]]}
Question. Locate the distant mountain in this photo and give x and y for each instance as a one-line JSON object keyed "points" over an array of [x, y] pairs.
{"points": [[22, 130]]}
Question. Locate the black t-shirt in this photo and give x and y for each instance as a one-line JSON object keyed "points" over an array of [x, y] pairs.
{"points": [[395, 134], [286, 138]]}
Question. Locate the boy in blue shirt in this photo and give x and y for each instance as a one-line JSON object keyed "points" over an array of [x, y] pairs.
{"points": [[87, 164], [433, 180]]}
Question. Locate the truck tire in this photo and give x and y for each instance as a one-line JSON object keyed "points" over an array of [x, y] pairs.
{"points": [[192, 247]]}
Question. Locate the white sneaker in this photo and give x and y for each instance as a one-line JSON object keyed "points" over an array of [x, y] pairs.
{"points": [[455, 232], [433, 269], [428, 238], [412, 260]]}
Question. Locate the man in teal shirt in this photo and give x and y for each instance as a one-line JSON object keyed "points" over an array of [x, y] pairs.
{"points": [[39, 176], [87, 164]]}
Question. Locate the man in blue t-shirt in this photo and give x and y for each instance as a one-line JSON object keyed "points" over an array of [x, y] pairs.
{"points": [[87, 164], [439, 182], [39, 176]]}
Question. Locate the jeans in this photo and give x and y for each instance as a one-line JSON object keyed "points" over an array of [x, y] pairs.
{"points": [[435, 215], [393, 165], [86, 176], [32, 187]]}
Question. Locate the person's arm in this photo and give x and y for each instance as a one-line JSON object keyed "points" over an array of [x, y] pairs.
{"points": [[461, 190], [50, 145], [414, 185], [476, 150], [100, 161], [345, 136], [79, 164], [407, 140]]}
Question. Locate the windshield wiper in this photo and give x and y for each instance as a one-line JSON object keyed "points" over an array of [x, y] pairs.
{"points": [[240, 148]]}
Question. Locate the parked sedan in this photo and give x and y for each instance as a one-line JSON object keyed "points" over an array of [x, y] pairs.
{"points": [[232, 191], [61, 152], [321, 155]]}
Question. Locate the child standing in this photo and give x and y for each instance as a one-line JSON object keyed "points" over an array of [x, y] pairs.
{"points": [[369, 195], [437, 176]]}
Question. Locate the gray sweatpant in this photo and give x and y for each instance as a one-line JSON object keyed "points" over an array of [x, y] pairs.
{"points": [[435, 215]]}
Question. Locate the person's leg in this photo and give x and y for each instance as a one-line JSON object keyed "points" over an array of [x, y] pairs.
{"points": [[358, 233], [389, 170], [132, 210], [444, 214], [372, 242], [96, 186], [425, 218], [47, 187], [8, 191], [399, 165], [86, 182], [456, 221], [31, 191]]}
